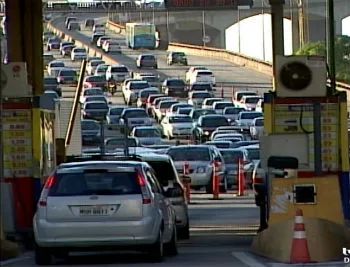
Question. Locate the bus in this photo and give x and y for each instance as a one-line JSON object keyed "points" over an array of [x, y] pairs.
{"points": [[141, 35]]}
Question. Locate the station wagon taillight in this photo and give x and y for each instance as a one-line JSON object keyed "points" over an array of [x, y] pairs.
{"points": [[44, 193], [146, 198]]}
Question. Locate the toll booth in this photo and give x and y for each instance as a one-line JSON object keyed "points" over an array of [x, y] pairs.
{"points": [[305, 153]]}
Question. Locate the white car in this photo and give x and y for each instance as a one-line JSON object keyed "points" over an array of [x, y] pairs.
{"points": [[219, 106], [174, 108], [78, 53], [163, 107], [250, 102], [101, 40], [246, 118], [257, 128], [54, 67], [101, 69], [190, 71], [204, 76], [99, 204], [147, 135], [112, 46], [92, 65], [208, 102], [177, 126], [196, 98], [130, 92], [117, 73]]}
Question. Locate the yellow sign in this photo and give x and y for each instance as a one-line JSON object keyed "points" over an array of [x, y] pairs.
{"points": [[17, 141]]}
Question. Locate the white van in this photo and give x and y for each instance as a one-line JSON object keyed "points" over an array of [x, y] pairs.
{"points": [[203, 76]]}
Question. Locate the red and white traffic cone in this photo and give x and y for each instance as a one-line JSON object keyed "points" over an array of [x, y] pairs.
{"points": [[300, 249]]}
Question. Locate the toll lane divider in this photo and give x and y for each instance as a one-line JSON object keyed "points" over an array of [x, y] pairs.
{"points": [[237, 59]]}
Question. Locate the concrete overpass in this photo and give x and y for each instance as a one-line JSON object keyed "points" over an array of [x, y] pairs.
{"points": [[189, 26]]}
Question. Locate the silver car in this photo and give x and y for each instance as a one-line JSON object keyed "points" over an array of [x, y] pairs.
{"points": [[201, 159], [147, 135], [103, 203]]}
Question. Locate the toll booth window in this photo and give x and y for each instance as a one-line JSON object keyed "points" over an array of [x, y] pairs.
{"points": [[305, 194]]}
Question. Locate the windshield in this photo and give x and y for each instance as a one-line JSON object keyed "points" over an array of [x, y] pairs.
{"points": [[250, 115], [50, 81], [116, 111], [233, 110], [201, 95], [97, 62], [223, 105], [200, 87], [179, 83], [145, 94], [198, 113], [95, 182], [253, 153], [189, 154], [166, 104], [180, 119], [231, 157], [259, 122], [147, 133], [138, 85], [120, 142], [150, 79], [79, 50], [96, 106], [68, 73], [252, 100], [93, 92], [96, 98], [57, 65], [89, 125], [214, 122], [119, 69], [94, 79], [135, 114]]}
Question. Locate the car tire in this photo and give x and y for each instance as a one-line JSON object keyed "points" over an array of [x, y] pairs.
{"points": [[171, 249], [184, 232], [42, 255], [156, 252]]}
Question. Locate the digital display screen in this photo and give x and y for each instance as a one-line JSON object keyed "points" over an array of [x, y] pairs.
{"points": [[206, 4]]}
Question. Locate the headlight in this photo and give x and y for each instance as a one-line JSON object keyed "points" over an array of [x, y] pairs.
{"points": [[229, 120], [206, 133], [201, 170]]}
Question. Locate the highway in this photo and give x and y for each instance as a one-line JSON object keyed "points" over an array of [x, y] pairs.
{"points": [[219, 229]]}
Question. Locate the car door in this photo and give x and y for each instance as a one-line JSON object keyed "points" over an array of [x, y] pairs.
{"points": [[162, 202]]}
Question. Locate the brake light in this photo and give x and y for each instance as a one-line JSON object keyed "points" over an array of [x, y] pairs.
{"points": [[146, 198], [258, 180], [44, 193]]}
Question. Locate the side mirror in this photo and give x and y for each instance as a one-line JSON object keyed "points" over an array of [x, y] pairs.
{"points": [[173, 192]]}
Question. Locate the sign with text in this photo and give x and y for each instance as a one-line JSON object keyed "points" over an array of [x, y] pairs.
{"points": [[206, 4], [14, 79]]}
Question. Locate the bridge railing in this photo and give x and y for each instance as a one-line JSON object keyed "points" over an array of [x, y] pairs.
{"points": [[237, 59]]}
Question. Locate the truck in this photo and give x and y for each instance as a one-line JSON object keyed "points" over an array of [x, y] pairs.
{"points": [[140, 35], [63, 109]]}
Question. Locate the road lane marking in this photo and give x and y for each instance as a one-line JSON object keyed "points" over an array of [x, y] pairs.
{"points": [[333, 263], [247, 260]]}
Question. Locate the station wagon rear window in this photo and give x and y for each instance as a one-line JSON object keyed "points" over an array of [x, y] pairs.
{"points": [[179, 83], [68, 73], [135, 114], [180, 119], [93, 92], [119, 69], [138, 85], [200, 95], [214, 122], [189, 154], [95, 182], [200, 87], [204, 73], [223, 105], [96, 106]]}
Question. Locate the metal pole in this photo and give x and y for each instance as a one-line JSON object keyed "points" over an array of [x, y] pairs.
{"points": [[203, 28], [330, 44], [239, 30], [1, 114], [167, 25], [317, 139], [277, 33]]}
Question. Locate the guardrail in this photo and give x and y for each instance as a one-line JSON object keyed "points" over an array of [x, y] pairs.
{"points": [[238, 59]]}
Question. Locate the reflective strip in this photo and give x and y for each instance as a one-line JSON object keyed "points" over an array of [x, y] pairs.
{"points": [[299, 235], [299, 219]]}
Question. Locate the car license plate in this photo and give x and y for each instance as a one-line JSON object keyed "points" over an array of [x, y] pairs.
{"points": [[93, 211]]}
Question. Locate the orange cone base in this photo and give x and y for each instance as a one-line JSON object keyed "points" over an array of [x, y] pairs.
{"points": [[300, 251]]}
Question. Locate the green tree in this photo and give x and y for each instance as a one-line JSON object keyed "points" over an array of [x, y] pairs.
{"points": [[342, 55]]}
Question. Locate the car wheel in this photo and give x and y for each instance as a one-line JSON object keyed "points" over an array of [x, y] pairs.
{"points": [[184, 232], [170, 249], [42, 255], [156, 250]]}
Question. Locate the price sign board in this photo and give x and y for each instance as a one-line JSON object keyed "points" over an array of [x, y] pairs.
{"points": [[298, 118], [17, 143]]}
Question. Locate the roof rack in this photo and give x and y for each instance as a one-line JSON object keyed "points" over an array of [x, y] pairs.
{"points": [[101, 157]]}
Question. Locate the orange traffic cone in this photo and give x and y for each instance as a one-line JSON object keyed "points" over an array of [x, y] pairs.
{"points": [[300, 250], [241, 179]]}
